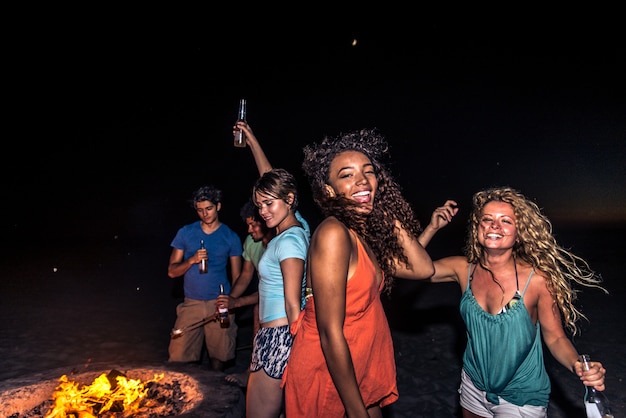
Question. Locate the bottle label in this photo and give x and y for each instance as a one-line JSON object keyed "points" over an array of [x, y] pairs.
{"points": [[593, 411], [222, 313], [223, 317]]}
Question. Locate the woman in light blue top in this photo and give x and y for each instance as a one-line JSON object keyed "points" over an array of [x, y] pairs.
{"points": [[281, 282]]}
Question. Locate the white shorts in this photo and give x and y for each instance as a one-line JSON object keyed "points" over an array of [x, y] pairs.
{"points": [[475, 400]]}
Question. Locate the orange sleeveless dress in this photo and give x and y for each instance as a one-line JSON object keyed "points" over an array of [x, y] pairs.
{"points": [[309, 389]]}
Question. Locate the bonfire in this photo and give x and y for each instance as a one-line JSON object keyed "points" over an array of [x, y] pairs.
{"points": [[110, 395]]}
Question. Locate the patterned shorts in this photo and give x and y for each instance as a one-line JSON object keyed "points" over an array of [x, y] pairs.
{"points": [[272, 347]]}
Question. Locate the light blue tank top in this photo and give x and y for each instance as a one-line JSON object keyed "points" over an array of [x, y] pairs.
{"points": [[504, 354]]}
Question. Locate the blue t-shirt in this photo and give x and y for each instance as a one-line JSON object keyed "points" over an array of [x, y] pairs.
{"points": [[221, 245], [291, 243]]}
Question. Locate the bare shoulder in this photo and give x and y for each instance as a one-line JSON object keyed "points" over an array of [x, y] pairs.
{"points": [[538, 282], [331, 230], [331, 241]]}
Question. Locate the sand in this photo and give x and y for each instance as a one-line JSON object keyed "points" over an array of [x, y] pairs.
{"points": [[109, 301]]}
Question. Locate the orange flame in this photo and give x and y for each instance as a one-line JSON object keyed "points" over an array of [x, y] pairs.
{"points": [[70, 401]]}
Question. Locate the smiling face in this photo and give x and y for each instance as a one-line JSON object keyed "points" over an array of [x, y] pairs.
{"points": [[272, 209], [497, 227], [255, 228], [352, 175]]}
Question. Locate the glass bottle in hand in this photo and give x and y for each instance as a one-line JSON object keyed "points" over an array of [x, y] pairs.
{"points": [[203, 263], [240, 137], [596, 402], [222, 312]]}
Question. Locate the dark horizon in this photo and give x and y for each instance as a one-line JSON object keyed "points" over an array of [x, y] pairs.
{"points": [[123, 118]]}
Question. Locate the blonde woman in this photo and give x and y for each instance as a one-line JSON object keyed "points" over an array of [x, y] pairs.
{"points": [[517, 288]]}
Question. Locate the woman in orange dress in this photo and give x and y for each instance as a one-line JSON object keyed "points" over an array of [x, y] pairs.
{"points": [[342, 358]]}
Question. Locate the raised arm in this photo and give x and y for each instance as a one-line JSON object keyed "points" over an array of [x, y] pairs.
{"points": [[262, 163], [419, 260], [441, 217]]}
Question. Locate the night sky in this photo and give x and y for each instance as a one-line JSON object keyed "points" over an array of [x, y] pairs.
{"points": [[121, 115]]}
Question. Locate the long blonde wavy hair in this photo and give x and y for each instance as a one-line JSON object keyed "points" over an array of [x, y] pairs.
{"points": [[537, 246]]}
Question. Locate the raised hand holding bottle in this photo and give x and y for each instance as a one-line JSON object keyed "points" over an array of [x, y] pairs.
{"points": [[240, 137], [596, 402]]}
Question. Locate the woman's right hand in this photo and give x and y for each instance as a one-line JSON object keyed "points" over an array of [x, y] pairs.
{"points": [[250, 138], [262, 163]]}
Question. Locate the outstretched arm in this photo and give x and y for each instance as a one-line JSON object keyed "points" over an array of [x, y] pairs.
{"points": [[419, 260], [420, 265], [262, 163]]}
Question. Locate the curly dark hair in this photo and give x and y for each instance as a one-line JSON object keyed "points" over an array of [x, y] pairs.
{"points": [[249, 210], [377, 228]]}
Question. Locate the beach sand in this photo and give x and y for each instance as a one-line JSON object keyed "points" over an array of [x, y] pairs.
{"points": [[108, 300]]}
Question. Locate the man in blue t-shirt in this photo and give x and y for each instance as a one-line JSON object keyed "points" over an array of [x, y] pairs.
{"points": [[194, 322]]}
